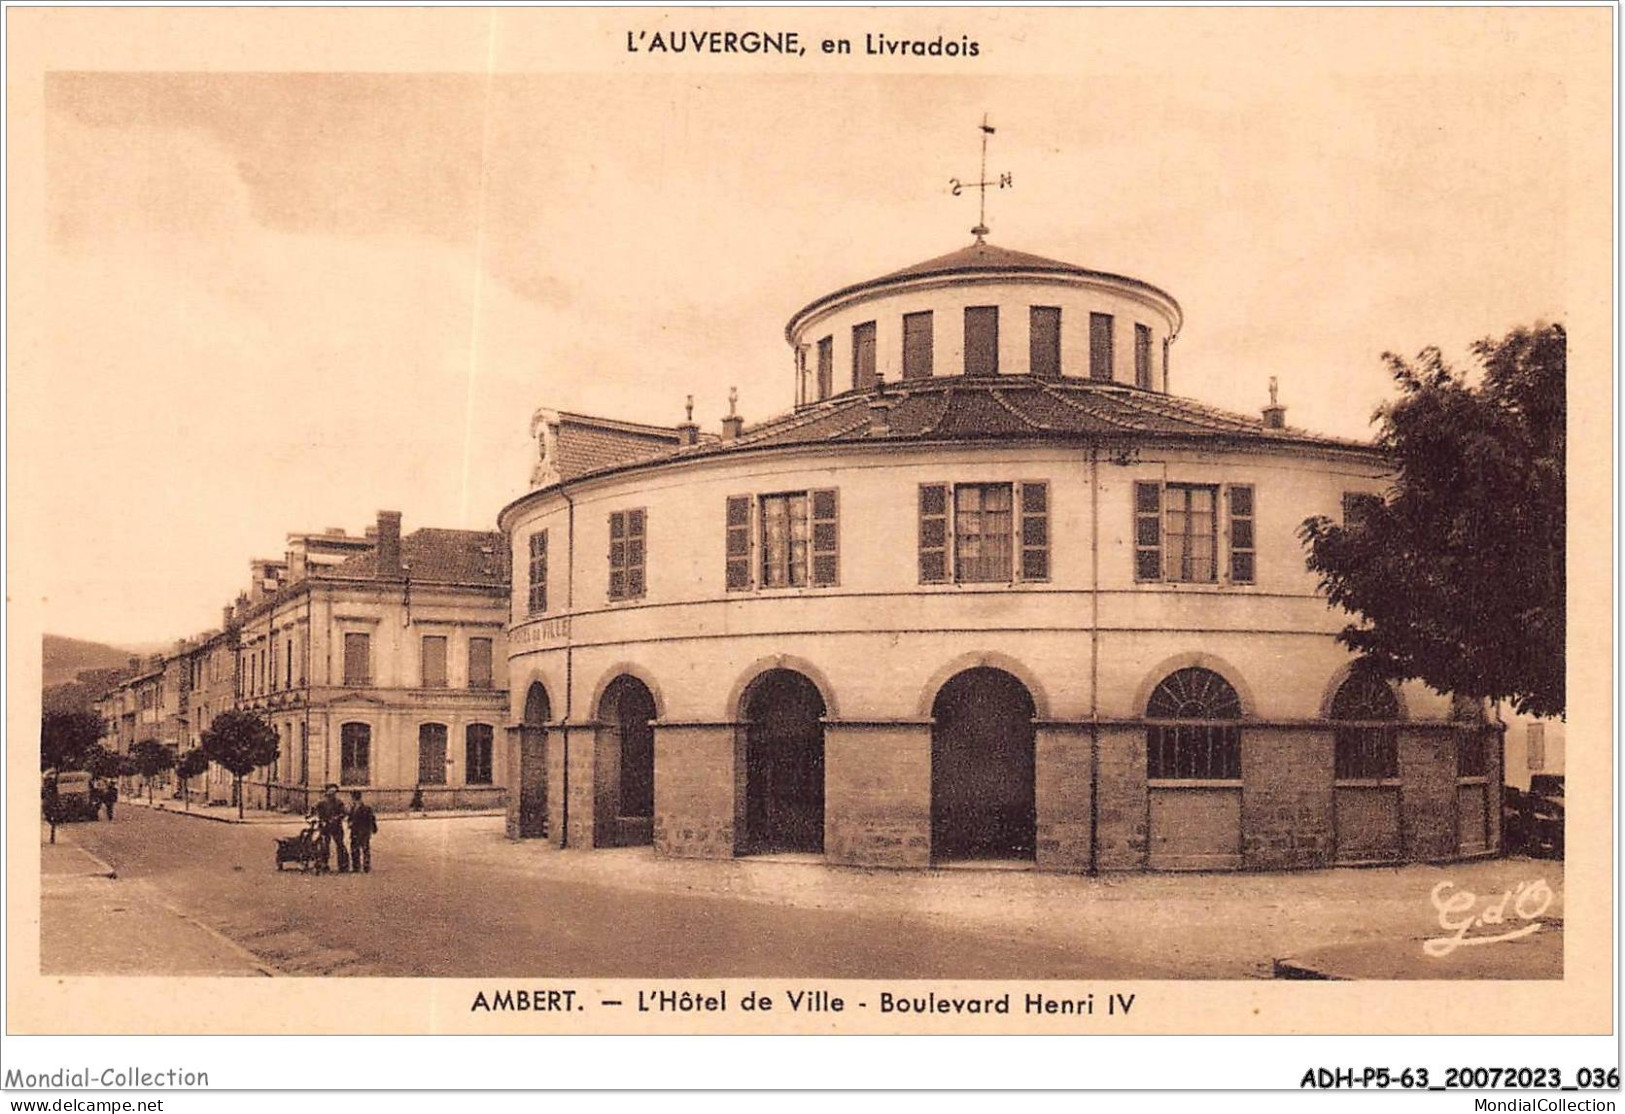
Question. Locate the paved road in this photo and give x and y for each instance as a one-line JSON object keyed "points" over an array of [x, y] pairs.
{"points": [[422, 913]]}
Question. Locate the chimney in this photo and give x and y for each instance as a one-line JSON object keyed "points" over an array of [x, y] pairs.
{"points": [[733, 424], [688, 433], [1274, 413], [296, 565], [227, 616], [389, 545]]}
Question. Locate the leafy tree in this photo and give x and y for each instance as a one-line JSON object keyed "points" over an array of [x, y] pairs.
{"points": [[1456, 575], [69, 739], [242, 742], [151, 758], [192, 764], [104, 763]]}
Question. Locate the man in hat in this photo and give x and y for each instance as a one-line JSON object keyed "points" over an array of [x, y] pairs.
{"points": [[330, 818], [362, 826]]}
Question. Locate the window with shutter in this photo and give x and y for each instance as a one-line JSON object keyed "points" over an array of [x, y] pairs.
{"points": [[784, 540], [826, 538], [933, 533], [1100, 346], [479, 663], [538, 572], [626, 555], [917, 345], [736, 547], [981, 340], [826, 368], [1044, 342], [982, 521], [357, 659], [1142, 356], [1147, 531], [863, 356], [1034, 531], [434, 661], [1243, 546]]}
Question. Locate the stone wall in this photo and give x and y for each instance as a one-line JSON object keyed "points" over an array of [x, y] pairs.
{"points": [[877, 794], [1062, 769], [696, 795], [1286, 799]]}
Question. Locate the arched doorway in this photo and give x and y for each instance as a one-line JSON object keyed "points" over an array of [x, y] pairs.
{"points": [[627, 711], [784, 764], [982, 795], [533, 763], [1366, 766], [1193, 772]]}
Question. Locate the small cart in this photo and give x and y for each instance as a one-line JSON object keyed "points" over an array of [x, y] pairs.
{"points": [[304, 849]]}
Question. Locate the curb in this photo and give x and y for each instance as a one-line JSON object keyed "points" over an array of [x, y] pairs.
{"points": [[102, 868], [296, 818], [241, 952]]}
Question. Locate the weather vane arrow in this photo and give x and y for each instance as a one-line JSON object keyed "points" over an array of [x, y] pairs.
{"points": [[1005, 181]]}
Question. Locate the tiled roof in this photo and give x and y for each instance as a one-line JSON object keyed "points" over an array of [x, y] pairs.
{"points": [[1007, 407], [442, 556], [586, 444]]}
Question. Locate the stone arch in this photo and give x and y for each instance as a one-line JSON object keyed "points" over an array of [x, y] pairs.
{"points": [[984, 659], [1341, 675], [523, 690], [1199, 660], [762, 666], [629, 669]]}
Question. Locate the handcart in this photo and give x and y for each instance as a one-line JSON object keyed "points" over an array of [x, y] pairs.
{"points": [[304, 848]]}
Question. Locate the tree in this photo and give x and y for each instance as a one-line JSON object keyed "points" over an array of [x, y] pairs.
{"points": [[151, 758], [1456, 575], [193, 763], [104, 763], [242, 742], [68, 739]]}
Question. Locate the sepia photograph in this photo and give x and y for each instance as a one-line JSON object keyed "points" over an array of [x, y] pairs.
{"points": [[927, 518]]}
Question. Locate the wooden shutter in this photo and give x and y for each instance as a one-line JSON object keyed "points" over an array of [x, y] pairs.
{"points": [[863, 356], [917, 345], [933, 533], [826, 538], [636, 557], [1243, 543], [1100, 346], [826, 368], [736, 547], [538, 572], [1142, 356], [617, 555], [1147, 531], [1034, 503], [1044, 341], [981, 340]]}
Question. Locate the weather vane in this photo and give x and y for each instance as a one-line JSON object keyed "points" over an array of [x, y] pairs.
{"points": [[956, 187]]}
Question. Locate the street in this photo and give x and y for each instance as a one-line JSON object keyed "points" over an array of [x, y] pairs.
{"points": [[452, 897]]}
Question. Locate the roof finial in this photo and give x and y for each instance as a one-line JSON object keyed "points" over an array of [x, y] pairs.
{"points": [[688, 409], [733, 401], [1005, 181], [1273, 400]]}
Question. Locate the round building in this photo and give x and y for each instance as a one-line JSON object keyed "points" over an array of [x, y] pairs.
{"points": [[988, 592]]}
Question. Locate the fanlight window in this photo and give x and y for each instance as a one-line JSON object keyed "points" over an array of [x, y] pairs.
{"points": [[1187, 749], [1366, 751]]}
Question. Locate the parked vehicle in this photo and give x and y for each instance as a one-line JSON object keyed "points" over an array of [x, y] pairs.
{"points": [[75, 799]]}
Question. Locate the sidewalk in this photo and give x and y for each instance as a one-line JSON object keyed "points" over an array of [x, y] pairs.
{"points": [[227, 814], [92, 923]]}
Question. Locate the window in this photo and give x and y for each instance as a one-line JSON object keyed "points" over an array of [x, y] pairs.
{"points": [[1243, 564], [432, 754], [799, 541], [1535, 743], [1147, 531], [1194, 750], [1165, 343], [1366, 751], [304, 754], [1190, 534], [826, 367], [1100, 346], [981, 340], [270, 665], [434, 661], [1472, 759], [288, 664], [479, 663], [1044, 342], [357, 659], [803, 394], [1142, 356], [538, 572], [975, 532], [917, 343], [626, 555], [477, 767], [863, 356], [355, 754]]}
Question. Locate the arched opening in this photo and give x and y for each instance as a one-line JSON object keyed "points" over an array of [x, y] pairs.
{"points": [[627, 710], [784, 764], [1193, 770], [982, 794], [533, 763], [1366, 767]]}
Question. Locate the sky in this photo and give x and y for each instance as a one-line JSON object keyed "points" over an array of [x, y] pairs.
{"points": [[280, 302]]}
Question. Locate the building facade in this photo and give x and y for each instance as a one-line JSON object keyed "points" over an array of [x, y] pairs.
{"points": [[989, 591]]}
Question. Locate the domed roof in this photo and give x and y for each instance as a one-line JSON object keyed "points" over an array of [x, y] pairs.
{"points": [[978, 259]]}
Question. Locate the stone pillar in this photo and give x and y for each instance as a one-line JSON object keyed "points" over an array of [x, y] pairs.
{"points": [[1286, 799], [1121, 829], [511, 772], [1062, 775], [570, 786], [697, 794], [877, 793], [1427, 770], [606, 786]]}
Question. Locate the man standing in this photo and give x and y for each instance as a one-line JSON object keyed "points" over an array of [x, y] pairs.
{"points": [[362, 824], [109, 795], [330, 816]]}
